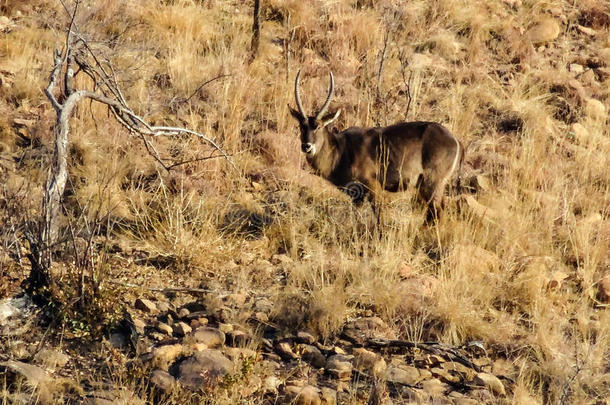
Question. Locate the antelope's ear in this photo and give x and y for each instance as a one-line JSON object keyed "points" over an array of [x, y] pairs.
{"points": [[329, 119], [297, 115]]}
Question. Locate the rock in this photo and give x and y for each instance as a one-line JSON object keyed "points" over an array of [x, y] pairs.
{"points": [[184, 313], [576, 68], [305, 337], [313, 355], [165, 328], [445, 375], [604, 290], [361, 329], [271, 384], [237, 300], [204, 369], [52, 360], [139, 324], [285, 351], [595, 109], [181, 329], [261, 317], [225, 327], [586, 30], [163, 306], [199, 322], [238, 338], [369, 362], [545, 30], [164, 356], [404, 374], [579, 132], [491, 382], [162, 380], [282, 259], [328, 396], [340, 366], [307, 395], [145, 305], [5, 23], [238, 353], [209, 336], [263, 305], [35, 376], [457, 368], [118, 340], [434, 387]]}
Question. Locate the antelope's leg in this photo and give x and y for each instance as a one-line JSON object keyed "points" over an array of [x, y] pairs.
{"points": [[375, 196]]}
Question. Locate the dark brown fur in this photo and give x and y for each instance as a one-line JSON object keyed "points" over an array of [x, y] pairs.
{"points": [[424, 154]]}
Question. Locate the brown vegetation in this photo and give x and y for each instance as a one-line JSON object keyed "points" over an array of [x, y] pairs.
{"points": [[519, 264]]}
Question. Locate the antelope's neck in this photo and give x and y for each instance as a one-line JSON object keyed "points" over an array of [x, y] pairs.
{"points": [[326, 159]]}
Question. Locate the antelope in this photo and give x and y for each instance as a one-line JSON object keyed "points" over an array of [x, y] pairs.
{"points": [[366, 161]]}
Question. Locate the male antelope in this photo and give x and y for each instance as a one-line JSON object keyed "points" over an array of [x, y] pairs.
{"points": [[390, 158]]}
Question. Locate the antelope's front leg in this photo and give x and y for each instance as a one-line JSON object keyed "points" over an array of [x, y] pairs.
{"points": [[375, 196]]}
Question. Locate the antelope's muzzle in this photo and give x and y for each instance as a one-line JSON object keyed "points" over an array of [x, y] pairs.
{"points": [[307, 148]]}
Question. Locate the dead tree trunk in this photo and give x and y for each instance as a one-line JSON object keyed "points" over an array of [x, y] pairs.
{"points": [[256, 29]]}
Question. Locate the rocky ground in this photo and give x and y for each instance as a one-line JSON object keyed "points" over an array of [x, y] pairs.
{"points": [[180, 344]]}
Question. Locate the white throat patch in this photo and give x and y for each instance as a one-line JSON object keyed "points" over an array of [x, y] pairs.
{"points": [[312, 151]]}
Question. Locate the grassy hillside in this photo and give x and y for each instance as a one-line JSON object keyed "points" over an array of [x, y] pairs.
{"points": [[516, 262]]}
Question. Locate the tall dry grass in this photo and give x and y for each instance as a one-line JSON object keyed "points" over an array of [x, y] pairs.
{"points": [[522, 277]]}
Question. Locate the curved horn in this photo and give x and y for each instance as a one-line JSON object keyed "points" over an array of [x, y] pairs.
{"points": [[330, 95], [297, 95]]}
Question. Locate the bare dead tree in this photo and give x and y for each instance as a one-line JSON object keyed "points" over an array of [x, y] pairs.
{"points": [[78, 52]]}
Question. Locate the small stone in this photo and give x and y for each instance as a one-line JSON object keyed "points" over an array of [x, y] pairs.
{"points": [[225, 327], [460, 369], [263, 305], [368, 361], [203, 369], [434, 387], [305, 337], [162, 380], [340, 366], [586, 30], [490, 381], [237, 300], [183, 313], [139, 324], [261, 317], [545, 30], [271, 384], [181, 329], [595, 109], [604, 290], [210, 336], [162, 306], [576, 68], [579, 131], [313, 355], [52, 360], [444, 375], [118, 340], [164, 356], [165, 328], [308, 395], [198, 347], [238, 338], [328, 396], [404, 374], [285, 350], [145, 305]]}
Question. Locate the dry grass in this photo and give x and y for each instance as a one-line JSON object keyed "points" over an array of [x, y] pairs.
{"points": [[471, 277]]}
